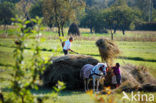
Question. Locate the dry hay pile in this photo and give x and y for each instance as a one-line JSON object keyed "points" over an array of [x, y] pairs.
{"points": [[67, 69], [136, 78], [108, 50]]}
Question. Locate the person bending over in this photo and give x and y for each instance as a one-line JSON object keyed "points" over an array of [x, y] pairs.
{"points": [[67, 45]]}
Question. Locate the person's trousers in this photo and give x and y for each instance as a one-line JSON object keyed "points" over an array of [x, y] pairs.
{"points": [[65, 52]]}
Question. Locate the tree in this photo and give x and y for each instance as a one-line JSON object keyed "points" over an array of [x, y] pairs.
{"points": [[100, 22], [145, 6], [89, 19], [23, 7], [12, 1], [59, 12], [6, 13], [36, 10], [121, 16]]}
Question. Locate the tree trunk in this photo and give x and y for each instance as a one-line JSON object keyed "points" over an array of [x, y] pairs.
{"points": [[1, 98], [111, 30], [58, 26], [114, 30], [62, 31], [22, 99], [112, 36], [91, 30], [123, 30], [6, 30], [56, 19]]}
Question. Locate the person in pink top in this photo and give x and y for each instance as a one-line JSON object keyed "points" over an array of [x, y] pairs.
{"points": [[116, 71]]}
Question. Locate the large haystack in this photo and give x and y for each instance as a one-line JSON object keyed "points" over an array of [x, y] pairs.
{"points": [[107, 49], [67, 69]]}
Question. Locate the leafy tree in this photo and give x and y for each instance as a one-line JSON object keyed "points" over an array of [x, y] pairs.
{"points": [[59, 12], [12, 1], [146, 7], [36, 10], [121, 16], [6, 13], [100, 22], [23, 7], [89, 19]]}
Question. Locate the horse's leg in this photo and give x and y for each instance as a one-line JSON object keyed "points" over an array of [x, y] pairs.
{"points": [[85, 84], [97, 86], [88, 80], [94, 84]]}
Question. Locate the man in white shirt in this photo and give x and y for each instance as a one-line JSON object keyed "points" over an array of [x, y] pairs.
{"points": [[67, 46]]}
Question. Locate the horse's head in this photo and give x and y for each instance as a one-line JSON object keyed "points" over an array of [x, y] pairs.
{"points": [[103, 68]]}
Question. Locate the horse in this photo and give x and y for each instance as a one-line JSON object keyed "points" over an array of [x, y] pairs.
{"points": [[96, 73]]}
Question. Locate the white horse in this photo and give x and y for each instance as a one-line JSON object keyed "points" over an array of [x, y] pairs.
{"points": [[96, 73]]}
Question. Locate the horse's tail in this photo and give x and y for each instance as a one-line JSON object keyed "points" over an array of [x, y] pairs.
{"points": [[81, 73]]}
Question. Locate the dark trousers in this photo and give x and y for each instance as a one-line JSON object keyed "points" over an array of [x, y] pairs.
{"points": [[65, 52]]}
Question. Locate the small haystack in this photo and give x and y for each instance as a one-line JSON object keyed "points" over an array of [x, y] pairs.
{"points": [[67, 69], [107, 49], [74, 30]]}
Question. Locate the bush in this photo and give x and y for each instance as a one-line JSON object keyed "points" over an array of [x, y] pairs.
{"points": [[146, 26]]}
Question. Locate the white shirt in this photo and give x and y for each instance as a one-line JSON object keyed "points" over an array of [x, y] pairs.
{"points": [[67, 45]]}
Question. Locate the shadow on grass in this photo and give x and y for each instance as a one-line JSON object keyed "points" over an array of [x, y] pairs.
{"points": [[46, 91], [136, 59], [128, 58], [27, 48], [6, 65]]}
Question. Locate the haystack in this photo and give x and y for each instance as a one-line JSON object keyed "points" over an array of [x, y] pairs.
{"points": [[136, 78], [107, 49], [74, 30], [67, 69]]}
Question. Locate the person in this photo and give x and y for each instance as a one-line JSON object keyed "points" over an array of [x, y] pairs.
{"points": [[67, 46], [116, 71], [114, 82]]}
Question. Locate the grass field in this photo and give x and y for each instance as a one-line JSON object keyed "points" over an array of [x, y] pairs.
{"points": [[137, 47]]}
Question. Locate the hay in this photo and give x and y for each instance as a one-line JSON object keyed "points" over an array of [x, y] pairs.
{"points": [[107, 49], [67, 69], [136, 78]]}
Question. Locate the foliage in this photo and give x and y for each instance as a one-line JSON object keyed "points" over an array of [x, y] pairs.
{"points": [[23, 7], [6, 12], [27, 76], [23, 77], [118, 16], [122, 17], [12, 1], [36, 10], [89, 20]]}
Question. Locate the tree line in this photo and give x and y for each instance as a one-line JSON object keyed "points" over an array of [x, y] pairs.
{"points": [[98, 15]]}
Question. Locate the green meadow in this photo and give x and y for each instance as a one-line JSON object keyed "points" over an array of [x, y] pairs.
{"points": [[136, 47]]}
